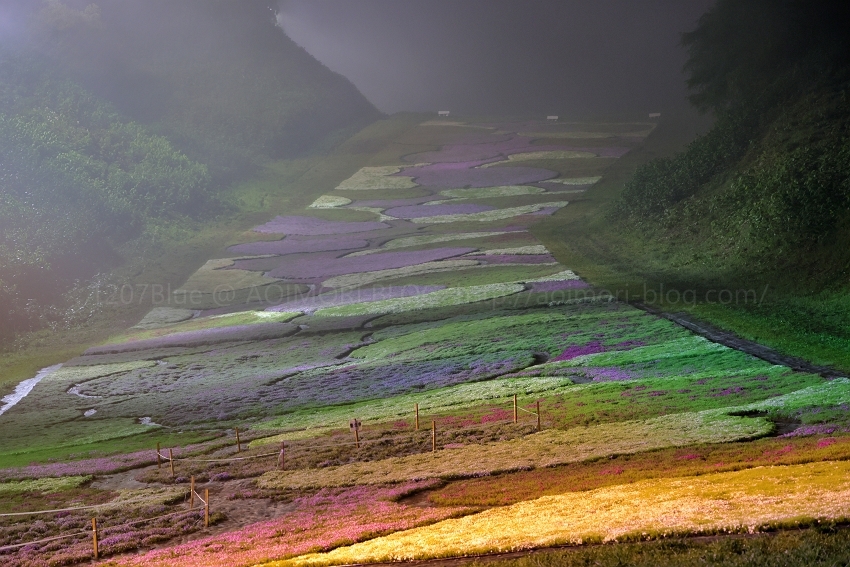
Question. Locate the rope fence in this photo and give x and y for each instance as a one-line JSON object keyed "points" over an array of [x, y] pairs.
{"points": [[96, 529], [168, 457]]}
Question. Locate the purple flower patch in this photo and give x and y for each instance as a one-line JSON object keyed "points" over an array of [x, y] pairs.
{"points": [[298, 246], [606, 374], [327, 265], [579, 350], [313, 226]]}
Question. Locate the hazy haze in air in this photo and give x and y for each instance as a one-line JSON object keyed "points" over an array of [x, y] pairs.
{"points": [[573, 57]]}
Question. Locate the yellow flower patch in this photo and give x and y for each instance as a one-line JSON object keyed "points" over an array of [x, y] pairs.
{"points": [[740, 501]]}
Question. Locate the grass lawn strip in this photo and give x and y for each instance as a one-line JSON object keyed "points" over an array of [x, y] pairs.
{"points": [[740, 501], [547, 448], [533, 156], [441, 298], [213, 322], [425, 239], [487, 216], [366, 278]]}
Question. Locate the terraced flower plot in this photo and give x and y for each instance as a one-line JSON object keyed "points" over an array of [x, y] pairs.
{"points": [[443, 308]]}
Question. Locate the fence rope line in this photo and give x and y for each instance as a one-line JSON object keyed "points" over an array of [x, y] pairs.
{"points": [[54, 538], [74, 509], [199, 497], [526, 411], [103, 530]]}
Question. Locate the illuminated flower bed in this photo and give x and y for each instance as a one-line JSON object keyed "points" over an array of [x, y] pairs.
{"points": [[322, 521], [740, 501]]}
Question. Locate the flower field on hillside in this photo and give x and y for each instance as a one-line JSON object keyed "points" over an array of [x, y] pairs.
{"points": [[412, 291]]}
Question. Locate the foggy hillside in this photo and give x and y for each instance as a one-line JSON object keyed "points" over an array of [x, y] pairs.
{"points": [[119, 115]]}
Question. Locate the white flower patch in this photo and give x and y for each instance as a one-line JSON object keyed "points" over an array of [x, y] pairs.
{"points": [[566, 275], [366, 278], [519, 250], [424, 239], [373, 210], [554, 154], [487, 216], [574, 180], [212, 276], [368, 178], [329, 202], [442, 298]]}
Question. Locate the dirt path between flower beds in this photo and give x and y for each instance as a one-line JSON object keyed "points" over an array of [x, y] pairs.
{"points": [[731, 340]]}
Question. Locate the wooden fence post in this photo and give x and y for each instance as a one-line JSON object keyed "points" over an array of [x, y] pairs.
{"points": [[192, 493], [357, 437], [281, 459], [158, 457], [416, 409], [206, 507], [94, 537], [433, 436], [516, 415], [238, 444], [538, 415], [171, 460]]}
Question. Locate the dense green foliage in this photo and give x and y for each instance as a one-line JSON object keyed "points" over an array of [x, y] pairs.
{"points": [[767, 190], [120, 117]]}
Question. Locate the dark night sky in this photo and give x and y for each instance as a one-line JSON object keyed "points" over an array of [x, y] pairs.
{"points": [[577, 58]]}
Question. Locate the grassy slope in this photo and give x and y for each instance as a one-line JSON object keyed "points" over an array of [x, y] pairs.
{"points": [[642, 267]]}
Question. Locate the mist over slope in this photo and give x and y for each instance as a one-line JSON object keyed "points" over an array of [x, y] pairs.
{"points": [[116, 116]]}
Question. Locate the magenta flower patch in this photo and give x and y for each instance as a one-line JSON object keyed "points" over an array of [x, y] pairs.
{"points": [[294, 246], [420, 211], [314, 226], [325, 265], [579, 350]]}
